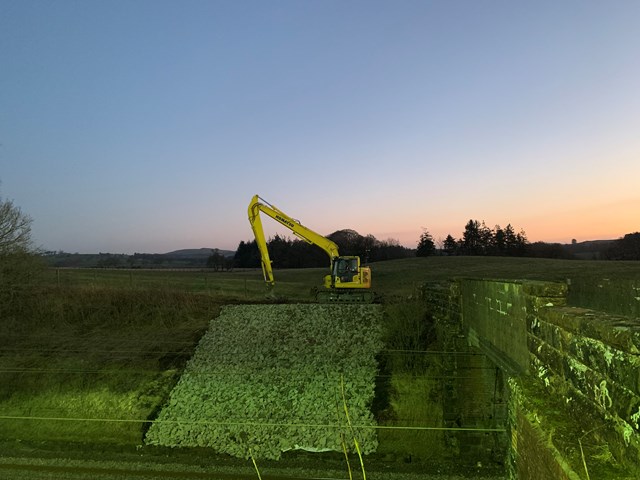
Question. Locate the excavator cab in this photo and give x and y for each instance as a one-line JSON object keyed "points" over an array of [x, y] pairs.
{"points": [[348, 282], [345, 269], [346, 273]]}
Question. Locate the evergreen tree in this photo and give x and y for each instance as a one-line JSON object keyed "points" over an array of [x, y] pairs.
{"points": [[478, 239], [499, 241], [279, 251], [522, 244], [471, 240], [450, 245], [485, 235], [426, 245], [510, 241], [247, 255]]}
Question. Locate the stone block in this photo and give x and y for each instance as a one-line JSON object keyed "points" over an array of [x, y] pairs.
{"points": [[545, 289]]}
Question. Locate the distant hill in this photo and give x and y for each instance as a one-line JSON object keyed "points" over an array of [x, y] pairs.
{"points": [[185, 258], [589, 250], [198, 253]]}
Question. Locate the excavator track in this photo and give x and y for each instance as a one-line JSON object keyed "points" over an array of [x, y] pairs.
{"points": [[345, 296]]}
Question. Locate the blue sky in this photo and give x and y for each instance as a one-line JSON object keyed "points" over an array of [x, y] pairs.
{"points": [[147, 126]]}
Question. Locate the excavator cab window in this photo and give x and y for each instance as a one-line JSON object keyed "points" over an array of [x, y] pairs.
{"points": [[345, 269], [353, 265]]}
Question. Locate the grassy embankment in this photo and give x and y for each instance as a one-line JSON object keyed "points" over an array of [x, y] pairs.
{"points": [[94, 354], [106, 344]]}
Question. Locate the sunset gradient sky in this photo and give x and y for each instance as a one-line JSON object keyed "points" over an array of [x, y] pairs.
{"points": [[147, 125]]}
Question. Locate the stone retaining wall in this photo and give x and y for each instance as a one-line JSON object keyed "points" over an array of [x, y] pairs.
{"points": [[573, 373]]}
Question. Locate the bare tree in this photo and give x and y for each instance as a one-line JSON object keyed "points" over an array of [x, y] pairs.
{"points": [[20, 266], [15, 228]]}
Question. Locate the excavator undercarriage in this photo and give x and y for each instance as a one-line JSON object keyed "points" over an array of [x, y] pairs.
{"points": [[344, 296]]}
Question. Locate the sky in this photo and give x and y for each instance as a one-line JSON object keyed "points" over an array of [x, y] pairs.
{"points": [[147, 125]]}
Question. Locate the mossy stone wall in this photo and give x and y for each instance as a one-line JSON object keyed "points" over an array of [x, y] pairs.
{"points": [[619, 296], [573, 372], [474, 393]]}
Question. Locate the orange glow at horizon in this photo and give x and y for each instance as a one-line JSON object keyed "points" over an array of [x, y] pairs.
{"points": [[605, 221], [593, 222]]}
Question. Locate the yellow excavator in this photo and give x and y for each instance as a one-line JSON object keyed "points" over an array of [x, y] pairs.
{"points": [[348, 282]]}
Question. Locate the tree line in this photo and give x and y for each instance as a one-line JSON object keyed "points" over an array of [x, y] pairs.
{"points": [[293, 253], [625, 248], [478, 239]]}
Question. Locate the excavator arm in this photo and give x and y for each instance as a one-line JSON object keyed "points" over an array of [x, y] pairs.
{"points": [[258, 232], [258, 205], [346, 272]]}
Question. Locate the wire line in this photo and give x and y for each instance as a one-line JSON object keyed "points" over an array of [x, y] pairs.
{"points": [[247, 424]]}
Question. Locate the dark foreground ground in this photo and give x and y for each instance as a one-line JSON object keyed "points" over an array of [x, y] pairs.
{"points": [[70, 462]]}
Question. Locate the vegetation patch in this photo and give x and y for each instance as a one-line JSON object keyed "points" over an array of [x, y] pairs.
{"points": [[91, 365], [266, 379], [409, 394]]}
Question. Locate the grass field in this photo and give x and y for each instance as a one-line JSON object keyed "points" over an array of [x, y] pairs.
{"points": [[391, 278], [93, 353]]}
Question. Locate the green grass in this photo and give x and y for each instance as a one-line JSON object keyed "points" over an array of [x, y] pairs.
{"points": [[243, 285], [391, 278], [95, 354], [410, 383], [111, 343], [401, 277], [414, 401]]}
